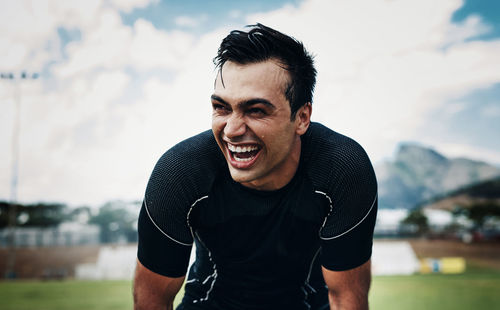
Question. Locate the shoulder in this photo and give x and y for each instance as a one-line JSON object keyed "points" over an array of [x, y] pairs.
{"points": [[193, 162], [330, 156], [181, 177], [341, 171], [324, 138]]}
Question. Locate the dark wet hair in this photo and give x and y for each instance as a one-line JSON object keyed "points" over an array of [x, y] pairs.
{"points": [[262, 43]]}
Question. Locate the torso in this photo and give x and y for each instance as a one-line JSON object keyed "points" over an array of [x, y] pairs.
{"points": [[262, 244], [259, 250]]}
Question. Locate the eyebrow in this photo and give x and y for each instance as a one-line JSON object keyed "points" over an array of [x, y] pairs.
{"points": [[246, 103]]}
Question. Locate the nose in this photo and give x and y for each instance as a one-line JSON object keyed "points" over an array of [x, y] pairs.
{"points": [[235, 126]]}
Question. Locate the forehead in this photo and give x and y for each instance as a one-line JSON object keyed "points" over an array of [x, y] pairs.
{"points": [[265, 79]]}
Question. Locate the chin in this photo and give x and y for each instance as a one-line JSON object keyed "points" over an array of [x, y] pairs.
{"points": [[240, 176]]}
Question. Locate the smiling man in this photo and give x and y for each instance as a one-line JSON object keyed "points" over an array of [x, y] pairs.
{"points": [[252, 126], [281, 210]]}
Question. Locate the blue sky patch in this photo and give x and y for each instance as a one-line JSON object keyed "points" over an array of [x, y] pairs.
{"points": [[210, 14], [488, 10]]}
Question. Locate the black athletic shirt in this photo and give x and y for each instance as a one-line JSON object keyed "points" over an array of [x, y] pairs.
{"points": [[258, 249]]}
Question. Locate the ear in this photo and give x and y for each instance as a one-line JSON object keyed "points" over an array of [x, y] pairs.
{"points": [[303, 119]]}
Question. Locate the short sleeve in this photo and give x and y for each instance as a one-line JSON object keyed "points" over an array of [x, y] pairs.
{"points": [[181, 177], [158, 252], [164, 235], [351, 193], [351, 249]]}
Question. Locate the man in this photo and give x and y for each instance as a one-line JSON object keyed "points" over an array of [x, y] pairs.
{"points": [[276, 205]]}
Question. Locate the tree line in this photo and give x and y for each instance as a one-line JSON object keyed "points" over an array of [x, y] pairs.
{"points": [[117, 220]]}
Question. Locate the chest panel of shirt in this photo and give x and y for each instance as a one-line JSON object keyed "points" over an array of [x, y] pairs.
{"points": [[261, 232]]}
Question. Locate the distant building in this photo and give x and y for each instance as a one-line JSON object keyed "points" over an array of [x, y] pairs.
{"points": [[388, 222], [65, 234]]}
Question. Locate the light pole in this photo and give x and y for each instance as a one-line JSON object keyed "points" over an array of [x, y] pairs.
{"points": [[14, 180]]}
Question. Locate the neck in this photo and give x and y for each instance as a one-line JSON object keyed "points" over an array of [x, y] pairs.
{"points": [[284, 173]]}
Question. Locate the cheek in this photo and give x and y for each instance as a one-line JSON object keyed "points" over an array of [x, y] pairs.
{"points": [[260, 129], [217, 125], [216, 132], [275, 143], [283, 141]]}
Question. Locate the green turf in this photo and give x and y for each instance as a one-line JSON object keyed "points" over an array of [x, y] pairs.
{"points": [[467, 291], [476, 289], [65, 295]]}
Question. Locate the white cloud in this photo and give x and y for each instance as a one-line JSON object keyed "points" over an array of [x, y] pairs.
{"points": [[112, 45], [452, 108], [471, 27], [456, 149], [383, 65], [128, 5], [491, 110], [96, 133], [29, 30], [153, 49], [188, 21], [234, 14], [84, 142], [104, 44]]}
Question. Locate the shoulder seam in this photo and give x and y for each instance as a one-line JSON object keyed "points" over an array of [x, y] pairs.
{"points": [[331, 208], [151, 218]]}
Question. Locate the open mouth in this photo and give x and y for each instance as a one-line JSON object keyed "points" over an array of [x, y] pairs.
{"points": [[243, 153]]}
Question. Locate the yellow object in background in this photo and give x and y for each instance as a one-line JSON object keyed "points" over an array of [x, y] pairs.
{"points": [[447, 265], [452, 265]]}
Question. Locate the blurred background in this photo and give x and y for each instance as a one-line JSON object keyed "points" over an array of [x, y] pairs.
{"points": [[93, 92]]}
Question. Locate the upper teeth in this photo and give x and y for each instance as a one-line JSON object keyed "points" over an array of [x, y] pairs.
{"points": [[239, 149]]}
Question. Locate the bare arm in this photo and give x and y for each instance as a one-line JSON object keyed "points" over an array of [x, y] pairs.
{"points": [[153, 291], [348, 289]]}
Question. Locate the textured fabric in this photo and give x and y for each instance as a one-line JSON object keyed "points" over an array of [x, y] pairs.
{"points": [[183, 174], [339, 167], [163, 247], [259, 250]]}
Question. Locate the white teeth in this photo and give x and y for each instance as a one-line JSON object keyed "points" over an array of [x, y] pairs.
{"points": [[239, 149], [242, 149], [243, 159]]}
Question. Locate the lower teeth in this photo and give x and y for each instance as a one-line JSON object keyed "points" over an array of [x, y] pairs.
{"points": [[243, 159]]}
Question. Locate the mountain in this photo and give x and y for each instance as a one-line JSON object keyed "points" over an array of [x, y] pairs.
{"points": [[419, 173], [486, 192]]}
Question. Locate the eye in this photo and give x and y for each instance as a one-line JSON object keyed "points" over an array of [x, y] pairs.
{"points": [[217, 107], [256, 111]]}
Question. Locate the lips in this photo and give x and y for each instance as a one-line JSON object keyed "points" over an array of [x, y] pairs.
{"points": [[243, 155]]}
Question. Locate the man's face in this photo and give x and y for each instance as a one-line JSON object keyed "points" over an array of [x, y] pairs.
{"points": [[251, 123]]}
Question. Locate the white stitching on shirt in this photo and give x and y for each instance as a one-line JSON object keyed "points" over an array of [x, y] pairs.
{"points": [[311, 266], [329, 212], [151, 218], [189, 213], [331, 208], [213, 275], [214, 266], [306, 282]]}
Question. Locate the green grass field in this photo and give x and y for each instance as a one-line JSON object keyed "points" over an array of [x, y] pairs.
{"points": [[472, 290], [476, 289]]}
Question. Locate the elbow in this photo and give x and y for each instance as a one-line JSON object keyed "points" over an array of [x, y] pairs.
{"points": [[348, 299], [150, 300], [146, 304], [139, 301]]}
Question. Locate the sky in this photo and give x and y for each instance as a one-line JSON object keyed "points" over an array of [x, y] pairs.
{"points": [[118, 82]]}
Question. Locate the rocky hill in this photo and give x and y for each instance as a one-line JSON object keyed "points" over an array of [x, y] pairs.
{"points": [[418, 173], [486, 192]]}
